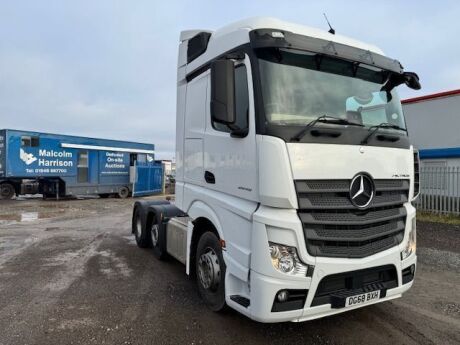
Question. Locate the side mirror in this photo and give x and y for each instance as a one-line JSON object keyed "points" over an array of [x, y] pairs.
{"points": [[408, 78], [223, 92], [411, 79]]}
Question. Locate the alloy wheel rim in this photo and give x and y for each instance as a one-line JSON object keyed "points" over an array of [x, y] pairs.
{"points": [[209, 269], [154, 231]]}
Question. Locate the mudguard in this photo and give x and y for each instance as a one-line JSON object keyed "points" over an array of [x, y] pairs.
{"points": [[142, 206], [163, 211]]}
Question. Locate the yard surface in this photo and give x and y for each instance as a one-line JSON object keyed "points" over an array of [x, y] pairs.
{"points": [[71, 273]]}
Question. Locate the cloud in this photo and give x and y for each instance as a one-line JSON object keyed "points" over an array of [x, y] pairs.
{"points": [[108, 68]]}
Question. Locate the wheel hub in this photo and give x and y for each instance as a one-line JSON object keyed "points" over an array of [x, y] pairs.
{"points": [[209, 269], [139, 228], [155, 229]]}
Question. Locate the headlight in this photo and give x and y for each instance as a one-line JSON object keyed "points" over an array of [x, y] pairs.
{"points": [[411, 243], [286, 260]]}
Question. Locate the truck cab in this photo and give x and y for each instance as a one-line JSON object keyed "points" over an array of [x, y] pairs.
{"points": [[294, 173]]}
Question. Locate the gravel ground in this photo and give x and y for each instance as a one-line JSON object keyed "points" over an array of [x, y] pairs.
{"points": [[70, 273]]}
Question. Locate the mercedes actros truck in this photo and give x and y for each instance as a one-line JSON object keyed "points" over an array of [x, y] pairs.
{"points": [[295, 174]]}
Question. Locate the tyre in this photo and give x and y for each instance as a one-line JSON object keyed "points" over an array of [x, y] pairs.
{"points": [[123, 192], [157, 235], [143, 238], [210, 271], [6, 191]]}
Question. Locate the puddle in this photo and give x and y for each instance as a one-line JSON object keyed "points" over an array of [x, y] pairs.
{"points": [[27, 216], [131, 240], [29, 197]]}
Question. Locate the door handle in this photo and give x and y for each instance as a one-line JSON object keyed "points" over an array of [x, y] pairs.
{"points": [[209, 177]]}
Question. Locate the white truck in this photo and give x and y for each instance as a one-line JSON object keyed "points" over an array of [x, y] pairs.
{"points": [[295, 174]]}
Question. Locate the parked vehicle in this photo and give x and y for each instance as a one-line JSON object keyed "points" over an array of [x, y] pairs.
{"points": [[59, 165], [294, 175]]}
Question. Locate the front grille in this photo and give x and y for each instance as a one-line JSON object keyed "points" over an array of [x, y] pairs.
{"points": [[334, 227]]}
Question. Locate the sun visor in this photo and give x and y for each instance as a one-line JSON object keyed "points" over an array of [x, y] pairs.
{"points": [[275, 38]]}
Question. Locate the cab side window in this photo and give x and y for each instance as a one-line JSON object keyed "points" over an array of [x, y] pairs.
{"points": [[241, 101]]}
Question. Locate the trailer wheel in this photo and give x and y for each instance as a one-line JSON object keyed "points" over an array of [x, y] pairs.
{"points": [[141, 234], [123, 192], [6, 191], [210, 270]]}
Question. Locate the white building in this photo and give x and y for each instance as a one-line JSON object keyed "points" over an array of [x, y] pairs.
{"points": [[433, 122]]}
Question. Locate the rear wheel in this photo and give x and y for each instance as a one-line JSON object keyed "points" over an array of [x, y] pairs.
{"points": [[6, 191], [123, 192], [156, 234], [141, 234], [210, 271]]}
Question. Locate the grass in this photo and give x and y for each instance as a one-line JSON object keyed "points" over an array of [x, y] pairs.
{"points": [[438, 218]]}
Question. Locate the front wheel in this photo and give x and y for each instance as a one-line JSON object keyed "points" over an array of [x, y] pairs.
{"points": [[210, 270]]}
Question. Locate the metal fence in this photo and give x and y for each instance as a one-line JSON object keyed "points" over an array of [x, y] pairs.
{"points": [[439, 190]]}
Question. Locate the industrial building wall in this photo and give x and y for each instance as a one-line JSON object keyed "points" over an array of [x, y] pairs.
{"points": [[434, 128], [434, 123]]}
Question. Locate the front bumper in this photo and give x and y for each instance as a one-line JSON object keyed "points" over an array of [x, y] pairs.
{"points": [[284, 227], [265, 289]]}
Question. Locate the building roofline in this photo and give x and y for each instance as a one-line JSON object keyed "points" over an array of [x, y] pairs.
{"points": [[446, 152], [431, 96]]}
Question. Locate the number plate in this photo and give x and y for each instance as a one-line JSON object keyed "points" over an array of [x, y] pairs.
{"points": [[362, 298]]}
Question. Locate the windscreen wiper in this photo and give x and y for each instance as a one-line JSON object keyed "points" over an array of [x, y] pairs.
{"points": [[374, 129], [323, 119]]}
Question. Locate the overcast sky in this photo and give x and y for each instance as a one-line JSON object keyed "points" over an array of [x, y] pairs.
{"points": [[108, 68]]}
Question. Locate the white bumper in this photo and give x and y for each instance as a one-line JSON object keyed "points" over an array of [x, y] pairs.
{"points": [[283, 226]]}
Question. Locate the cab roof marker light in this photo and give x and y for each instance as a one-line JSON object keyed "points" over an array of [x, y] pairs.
{"points": [[277, 34]]}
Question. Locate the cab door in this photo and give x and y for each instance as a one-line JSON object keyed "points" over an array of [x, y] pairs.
{"points": [[230, 164]]}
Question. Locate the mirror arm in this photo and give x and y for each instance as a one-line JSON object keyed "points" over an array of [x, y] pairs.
{"points": [[239, 132]]}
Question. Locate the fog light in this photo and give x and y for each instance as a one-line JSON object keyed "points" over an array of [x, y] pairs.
{"points": [[282, 296], [408, 274]]}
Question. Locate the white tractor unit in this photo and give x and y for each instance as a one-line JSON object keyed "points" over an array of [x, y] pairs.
{"points": [[294, 176]]}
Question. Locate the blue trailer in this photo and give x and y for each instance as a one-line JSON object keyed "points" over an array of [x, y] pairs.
{"points": [[61, 165]]}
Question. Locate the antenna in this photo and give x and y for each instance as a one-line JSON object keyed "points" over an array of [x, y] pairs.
{"points": [[331, 30]]}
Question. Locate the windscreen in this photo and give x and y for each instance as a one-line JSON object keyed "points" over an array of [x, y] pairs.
{"points": [[298, 87]]}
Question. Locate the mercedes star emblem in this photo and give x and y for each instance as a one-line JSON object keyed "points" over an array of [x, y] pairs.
{"points": [[361, 190]]}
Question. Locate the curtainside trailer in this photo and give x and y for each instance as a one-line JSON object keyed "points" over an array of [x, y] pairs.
{"points": [[62, 165]]}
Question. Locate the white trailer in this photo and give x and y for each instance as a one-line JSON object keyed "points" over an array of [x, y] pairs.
{"points": [[294, 175]]}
